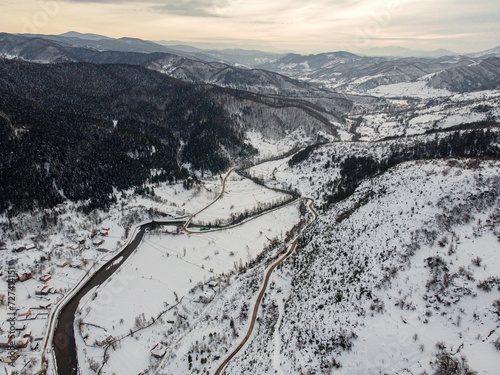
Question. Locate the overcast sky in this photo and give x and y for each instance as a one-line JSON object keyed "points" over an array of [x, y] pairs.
{"points": [[292, 25]]}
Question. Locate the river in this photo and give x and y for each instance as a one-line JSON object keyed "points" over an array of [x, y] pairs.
{"points": [[64, 344]]}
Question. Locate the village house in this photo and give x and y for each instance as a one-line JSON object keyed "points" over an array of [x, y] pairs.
{"points": [[206, 297], [213, 283], [23, 275], [44, 306], [42, 290], [45, 278], [158, 351], [76, 264]]}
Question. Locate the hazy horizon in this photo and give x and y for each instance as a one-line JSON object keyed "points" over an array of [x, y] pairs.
{"points": [[284, 26]]}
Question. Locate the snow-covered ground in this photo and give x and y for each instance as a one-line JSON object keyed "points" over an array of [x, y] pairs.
{"points": [[417, 114], [417, 89], [242, 196], [167, 266], [269, 148], [63, 243], [404, 251], [391, 279]]}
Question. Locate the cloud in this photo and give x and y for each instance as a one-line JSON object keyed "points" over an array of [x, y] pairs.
{"points": [[302, 26], [196, 8], [191, 8]]}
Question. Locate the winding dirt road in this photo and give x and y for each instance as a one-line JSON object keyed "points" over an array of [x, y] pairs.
{"points": [[221, 194], [261, 294], [61, 326]]}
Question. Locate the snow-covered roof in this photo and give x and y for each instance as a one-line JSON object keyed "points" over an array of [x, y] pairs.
{"points": [[158, 350]]}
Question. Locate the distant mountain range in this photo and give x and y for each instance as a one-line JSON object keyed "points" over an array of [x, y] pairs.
{"points": [[344, 71], [405, 52], [490, 52], [291, 75], [55, 49], [250, 56]]}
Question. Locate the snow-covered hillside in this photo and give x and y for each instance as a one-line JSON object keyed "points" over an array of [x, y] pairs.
{"points": [[320, 171], [405, 109], [407, 256], [402, 277]]}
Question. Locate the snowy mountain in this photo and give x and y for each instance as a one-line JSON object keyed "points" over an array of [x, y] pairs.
{"points": [[399, 277], [344, 71], [56, 49], [493, 51], [130, 116], [239, 212]]}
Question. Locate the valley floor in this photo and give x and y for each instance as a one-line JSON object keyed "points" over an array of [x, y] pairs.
{"points": [[399, 278]]}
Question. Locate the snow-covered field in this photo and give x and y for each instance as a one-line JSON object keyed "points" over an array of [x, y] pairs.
{"points": [[242, 196], [167, 266], [63, 243], [318, 174], [399, 278], [417, 89]]}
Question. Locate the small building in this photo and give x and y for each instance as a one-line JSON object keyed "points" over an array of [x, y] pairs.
{"points": [[62, 264], [45, 305], [158, 351], [103, 339], [42, 290], [98, 242], [76, 264], [206, 297], [23, 275], [45, 278], [213, 283]]}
